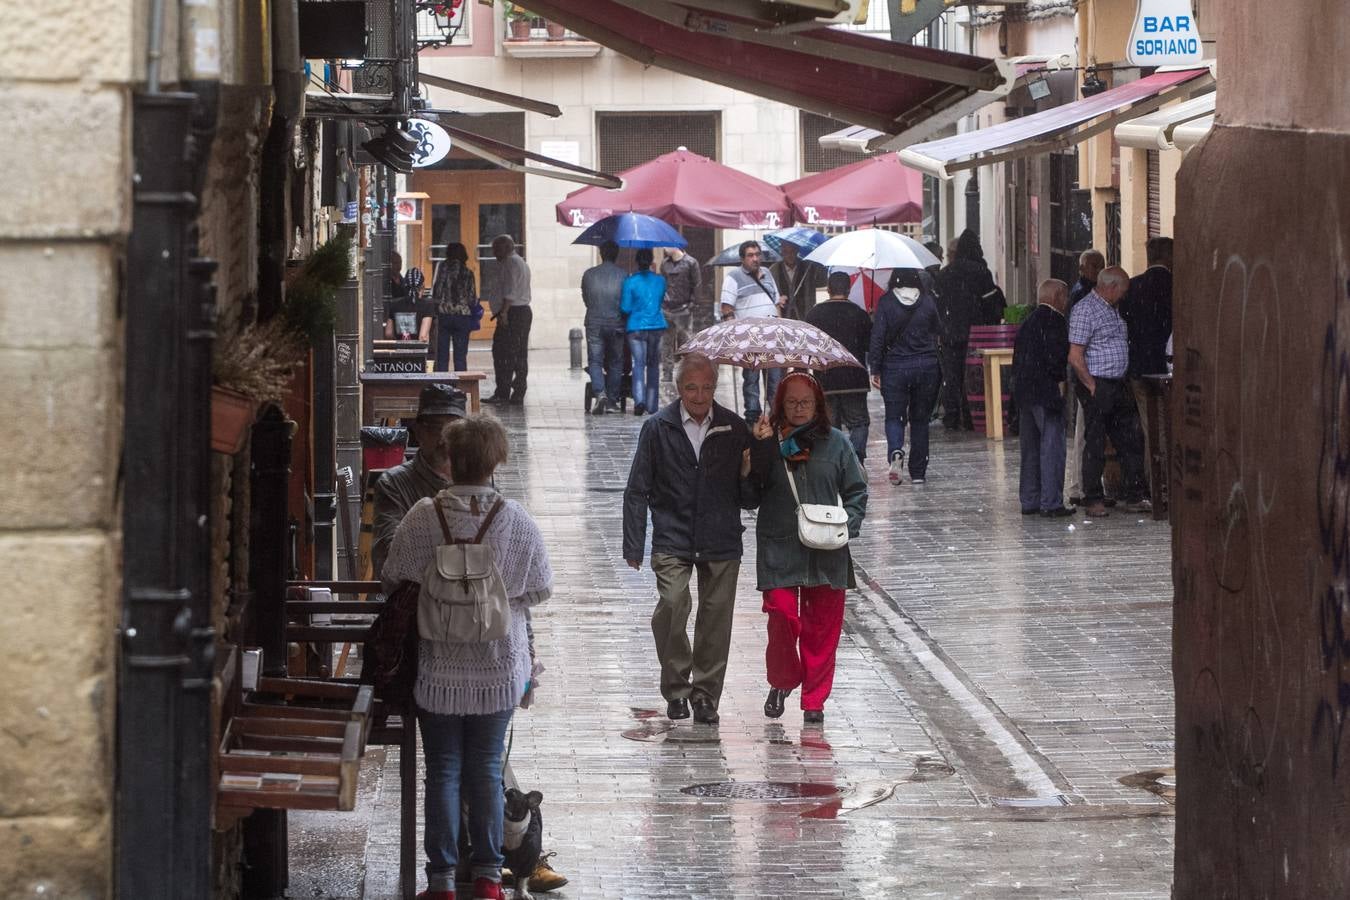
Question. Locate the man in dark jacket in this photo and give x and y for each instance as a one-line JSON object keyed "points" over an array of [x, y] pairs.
{"points": [[426, 475], [845, 387], [683, 277], [691, 471], [1147, 311], [601, 292], [1040, 361], [966, 295]]}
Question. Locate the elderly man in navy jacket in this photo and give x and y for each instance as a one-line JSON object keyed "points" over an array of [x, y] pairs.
{"points": [[691, 470], [1040, 360]]}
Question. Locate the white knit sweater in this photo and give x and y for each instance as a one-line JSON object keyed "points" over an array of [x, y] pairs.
{"points": [[474, 679]]}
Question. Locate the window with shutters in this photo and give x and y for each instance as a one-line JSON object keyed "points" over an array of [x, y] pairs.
{"points": [[625, 140], [1154, 192], [816, 158], [630, 139]]}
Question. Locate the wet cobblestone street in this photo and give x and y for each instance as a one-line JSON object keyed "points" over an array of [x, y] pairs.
{"points": [[997, 675]]}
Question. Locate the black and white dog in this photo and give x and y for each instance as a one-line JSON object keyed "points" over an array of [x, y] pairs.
{"points": [[524, 837]]}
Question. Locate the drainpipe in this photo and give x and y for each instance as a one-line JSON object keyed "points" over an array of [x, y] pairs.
{"points": [[164, 794]]}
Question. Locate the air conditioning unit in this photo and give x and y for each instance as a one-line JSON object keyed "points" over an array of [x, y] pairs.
{"points": [[826, 12]]}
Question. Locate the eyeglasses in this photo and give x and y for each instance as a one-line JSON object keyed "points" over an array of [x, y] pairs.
{"points": [[808, 403]]}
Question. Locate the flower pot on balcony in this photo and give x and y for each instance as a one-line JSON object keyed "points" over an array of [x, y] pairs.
{"points": [[555, 31], [231, 415], [520, 29]]}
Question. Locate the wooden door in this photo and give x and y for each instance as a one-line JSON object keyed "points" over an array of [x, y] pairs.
{"points": [[471, 208]]}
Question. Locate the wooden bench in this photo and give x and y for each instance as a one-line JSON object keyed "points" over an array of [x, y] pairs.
{"points": [[394, 396], [987, 337]]}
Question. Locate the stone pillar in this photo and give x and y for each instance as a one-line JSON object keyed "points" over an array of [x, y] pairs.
{"points": [[65, 215], [1260, 465]]}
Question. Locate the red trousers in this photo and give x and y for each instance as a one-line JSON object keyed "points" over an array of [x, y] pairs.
{"points": [[803, 636]]}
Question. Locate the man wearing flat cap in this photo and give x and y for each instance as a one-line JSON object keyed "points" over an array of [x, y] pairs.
{"points": [[428, 473]]}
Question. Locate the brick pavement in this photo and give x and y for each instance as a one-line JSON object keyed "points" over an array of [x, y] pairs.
{"points": [[988, 659]]}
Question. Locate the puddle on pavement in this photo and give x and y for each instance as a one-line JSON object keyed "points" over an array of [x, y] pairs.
{"points": [[1162, 782]]}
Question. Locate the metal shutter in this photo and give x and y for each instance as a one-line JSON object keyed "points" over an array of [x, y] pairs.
{"points": [[816, 158], [1154, 193], [630, 139]]}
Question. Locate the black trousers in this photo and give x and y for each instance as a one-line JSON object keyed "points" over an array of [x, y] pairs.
{"points": [[510, 353], [1111, 412], [955, 403]]}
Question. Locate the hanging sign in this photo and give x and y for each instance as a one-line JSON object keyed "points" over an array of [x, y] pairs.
{"points": [[432, 143], [1164, 34]]}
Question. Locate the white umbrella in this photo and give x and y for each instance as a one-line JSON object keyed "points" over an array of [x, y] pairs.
{"points": [[872, 248]]}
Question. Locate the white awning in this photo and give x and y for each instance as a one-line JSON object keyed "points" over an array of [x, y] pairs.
{"points": [[1188, 134], [1021, 69], [1056, 128], [1155, 131]]}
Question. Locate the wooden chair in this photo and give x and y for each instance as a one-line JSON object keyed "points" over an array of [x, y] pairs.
{"points": [[985, 337]]}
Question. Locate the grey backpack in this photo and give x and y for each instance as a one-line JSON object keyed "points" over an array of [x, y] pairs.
{"points": [[463, 598]]}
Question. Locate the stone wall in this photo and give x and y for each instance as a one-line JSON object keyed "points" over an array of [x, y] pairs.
{"points": [[1261, 638], [66, 213]]}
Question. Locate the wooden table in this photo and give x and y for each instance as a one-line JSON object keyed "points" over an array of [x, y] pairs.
{"points": [[995, 358], [1156, 413], [394, 395]]}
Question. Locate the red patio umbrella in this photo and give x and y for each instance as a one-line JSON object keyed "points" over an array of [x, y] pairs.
{"points": [[877, 190], [682, 188]]}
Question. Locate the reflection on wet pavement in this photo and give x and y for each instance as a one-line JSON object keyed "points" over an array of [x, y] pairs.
{"points": [[989, 662]]}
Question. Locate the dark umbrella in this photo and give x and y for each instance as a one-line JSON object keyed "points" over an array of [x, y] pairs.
{"points": [[632, 230], [732, 256]]}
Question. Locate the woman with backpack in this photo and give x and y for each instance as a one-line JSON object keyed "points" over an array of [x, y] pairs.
{"points": [[903, 357], [458, 312], [469, 679]]}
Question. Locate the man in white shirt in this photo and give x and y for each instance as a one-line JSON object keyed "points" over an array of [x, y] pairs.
{"points": [[749, 292], [508, 297]]}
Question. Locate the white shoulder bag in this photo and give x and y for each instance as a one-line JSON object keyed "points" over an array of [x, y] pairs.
{"points": [[819, 525]]}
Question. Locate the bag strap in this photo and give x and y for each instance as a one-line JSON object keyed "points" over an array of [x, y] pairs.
{"points": [[487, 523], [792, 483], [445, 526]]}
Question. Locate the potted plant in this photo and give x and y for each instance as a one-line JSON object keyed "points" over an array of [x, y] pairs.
{"points": [[555, 30], [254, 363], [518, 20]]}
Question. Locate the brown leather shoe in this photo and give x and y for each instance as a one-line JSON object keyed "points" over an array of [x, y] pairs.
{"points": [[1096, 511]]}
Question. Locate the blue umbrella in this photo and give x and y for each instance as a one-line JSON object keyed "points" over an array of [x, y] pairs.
{"points": [[804, 239], [632, 230]]}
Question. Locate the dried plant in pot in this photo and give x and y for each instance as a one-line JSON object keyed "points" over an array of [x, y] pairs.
{"points": [[254, 363]]}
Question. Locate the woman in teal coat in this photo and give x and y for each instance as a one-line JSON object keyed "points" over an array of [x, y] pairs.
{"points": [[643, 292], [803, 588]]}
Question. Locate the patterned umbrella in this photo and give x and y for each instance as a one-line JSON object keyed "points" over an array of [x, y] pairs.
{"points": [[769, 343], [804, 239]]}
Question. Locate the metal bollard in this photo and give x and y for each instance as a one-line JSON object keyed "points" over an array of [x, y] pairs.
{"points": [[575, 338]]}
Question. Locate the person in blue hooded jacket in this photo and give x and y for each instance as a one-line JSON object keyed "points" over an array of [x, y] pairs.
{"points": [[643, 292]]}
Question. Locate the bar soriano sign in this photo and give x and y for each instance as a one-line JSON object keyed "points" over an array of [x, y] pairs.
{"points": [[1164, 34]]}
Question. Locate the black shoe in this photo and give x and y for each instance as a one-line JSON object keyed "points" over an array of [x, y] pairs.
{"points": [[638, 409], [773, 706], [704, 711], [1030, 512], [813, 717], [1109, 502], [516, 401], [1059, 512], [496, 398], [677, 709], [601, 406], [1075, 501]]}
